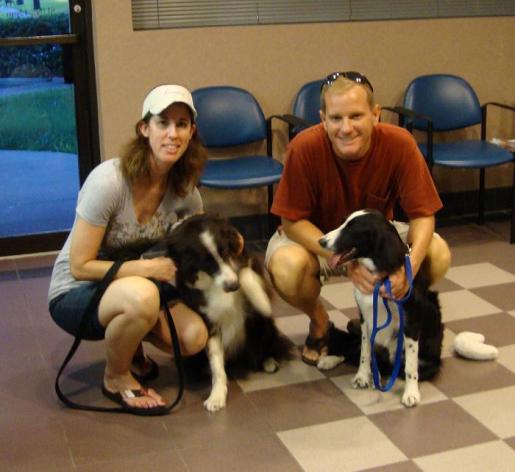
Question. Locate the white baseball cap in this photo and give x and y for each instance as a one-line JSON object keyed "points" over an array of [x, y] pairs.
{"points": [[161, 97]]}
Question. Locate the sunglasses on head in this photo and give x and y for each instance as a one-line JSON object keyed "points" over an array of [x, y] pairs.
{"points": [[351, 75]]}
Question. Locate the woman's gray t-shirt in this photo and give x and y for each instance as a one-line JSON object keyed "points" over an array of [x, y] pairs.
{"points": [[105, 200]]}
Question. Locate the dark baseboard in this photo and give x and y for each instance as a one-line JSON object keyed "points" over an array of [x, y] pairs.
{"points": [[464, 205], [32, 244]]}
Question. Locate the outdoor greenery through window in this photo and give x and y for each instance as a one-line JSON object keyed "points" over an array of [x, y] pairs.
{"points": [[36, 90], [154, 14]]}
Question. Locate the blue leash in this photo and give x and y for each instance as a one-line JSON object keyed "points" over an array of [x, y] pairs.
{"points": [[376, 329]]}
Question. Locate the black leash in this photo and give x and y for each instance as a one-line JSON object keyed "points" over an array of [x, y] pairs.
{"points": [[93, 303]]}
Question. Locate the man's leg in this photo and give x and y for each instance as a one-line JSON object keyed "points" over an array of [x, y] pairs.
{"points": [[294, 273], [438, 258]]}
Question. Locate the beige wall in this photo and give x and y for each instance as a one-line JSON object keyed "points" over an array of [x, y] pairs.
{"points": [[274, 61]]}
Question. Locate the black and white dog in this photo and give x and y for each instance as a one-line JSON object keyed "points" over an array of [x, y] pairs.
{"points": [[367, 236], [227, 287]]}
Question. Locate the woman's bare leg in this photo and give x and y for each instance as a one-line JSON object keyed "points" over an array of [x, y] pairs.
{"points": [[129, 309]]}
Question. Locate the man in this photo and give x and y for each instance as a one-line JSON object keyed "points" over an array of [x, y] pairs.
{"points": [[348, 162]]}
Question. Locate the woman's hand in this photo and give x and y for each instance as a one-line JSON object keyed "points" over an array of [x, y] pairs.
{"points": [[159, 268]]}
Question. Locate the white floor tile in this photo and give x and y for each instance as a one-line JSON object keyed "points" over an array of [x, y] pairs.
{"points": [[495, 455], [461, 304], [494, 408], [340, 295], [291, 372], [507, 357], [345, 445], [478, 275], [296, 327], [371, 401]]}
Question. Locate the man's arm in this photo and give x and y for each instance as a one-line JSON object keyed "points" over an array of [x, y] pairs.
{"points": [[420, 235]]}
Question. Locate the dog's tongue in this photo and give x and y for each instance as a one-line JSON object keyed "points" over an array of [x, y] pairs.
{"points": [[334, 260]]}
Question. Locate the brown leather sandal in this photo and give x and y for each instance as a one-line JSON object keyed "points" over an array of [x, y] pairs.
{"points": [[317, 344]]}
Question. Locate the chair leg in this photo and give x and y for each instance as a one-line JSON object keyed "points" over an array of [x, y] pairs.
{"points": [[512, 232], [269, 225], [481, 201]]}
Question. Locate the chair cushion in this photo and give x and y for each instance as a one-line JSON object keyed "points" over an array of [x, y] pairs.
{"points": [[472, 154], [241, 172]]}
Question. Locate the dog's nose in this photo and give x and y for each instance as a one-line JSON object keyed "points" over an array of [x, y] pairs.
{"points": [[231, 286], [322, 242]]}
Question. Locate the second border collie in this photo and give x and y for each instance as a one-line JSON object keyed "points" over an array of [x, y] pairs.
{"points": [[227, 287], [367, 236]]}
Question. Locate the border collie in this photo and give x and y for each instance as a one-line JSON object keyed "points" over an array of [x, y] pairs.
{"points": [[367, 236], [227, 287]]}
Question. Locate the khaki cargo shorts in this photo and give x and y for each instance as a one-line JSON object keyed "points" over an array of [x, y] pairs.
{"points": [[279, 239]]}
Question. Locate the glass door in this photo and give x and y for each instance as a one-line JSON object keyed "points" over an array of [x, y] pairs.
{"points": [[48, 116]]}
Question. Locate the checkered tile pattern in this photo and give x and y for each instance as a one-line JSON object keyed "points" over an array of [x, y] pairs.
{"points": [[297, 419]]}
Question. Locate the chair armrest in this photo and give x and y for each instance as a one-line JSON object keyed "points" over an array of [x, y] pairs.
{"points": [[484, 115], [404, 113], [412, 115], [292, 121], [501, 105]]}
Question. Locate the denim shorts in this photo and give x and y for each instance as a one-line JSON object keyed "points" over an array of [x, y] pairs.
{"points": [[67, 310]]}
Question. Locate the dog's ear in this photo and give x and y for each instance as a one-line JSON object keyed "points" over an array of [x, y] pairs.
{"points": [[232, 239], [389, 249]]}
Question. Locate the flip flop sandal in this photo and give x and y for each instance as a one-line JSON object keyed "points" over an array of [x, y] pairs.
{"points": [[122, 397], [317, 344], [144, 368]]}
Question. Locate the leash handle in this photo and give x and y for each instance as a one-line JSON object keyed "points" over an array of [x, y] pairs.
{"points": [[376, 328], [92, 304]]}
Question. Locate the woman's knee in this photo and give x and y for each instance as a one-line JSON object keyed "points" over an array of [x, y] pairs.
{"points": [[137, 298], [194, 337]]}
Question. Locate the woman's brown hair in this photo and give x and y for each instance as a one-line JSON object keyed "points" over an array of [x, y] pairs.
{"points": [[183, 176]]}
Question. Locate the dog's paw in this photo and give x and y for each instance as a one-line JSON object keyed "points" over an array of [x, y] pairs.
{"points": [[252, 285], [361, 380], [329, 362], [216, 400], [270, 365], [411, 398]]}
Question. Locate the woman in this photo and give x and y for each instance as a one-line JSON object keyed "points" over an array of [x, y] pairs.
{"points": [[126, 200]]}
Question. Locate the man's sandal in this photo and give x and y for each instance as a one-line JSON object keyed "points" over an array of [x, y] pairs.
{"points": [[320, 345]]}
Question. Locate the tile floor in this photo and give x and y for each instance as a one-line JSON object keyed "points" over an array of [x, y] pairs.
{"points": [[297, 419]]}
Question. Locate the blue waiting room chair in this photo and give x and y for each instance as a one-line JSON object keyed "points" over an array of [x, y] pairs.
{"points": [[306, 108], [442, 103], [229, 117]]}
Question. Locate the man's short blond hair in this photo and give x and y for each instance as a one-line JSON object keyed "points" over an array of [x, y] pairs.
{"points": [[342, 85]]}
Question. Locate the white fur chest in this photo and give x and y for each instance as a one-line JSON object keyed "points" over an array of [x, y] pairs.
{"points": [[225, 310], [388, 335]]}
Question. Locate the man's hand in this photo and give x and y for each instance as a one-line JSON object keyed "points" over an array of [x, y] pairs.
{"points": [[361, 277], [399, 284], [365, 281]]}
